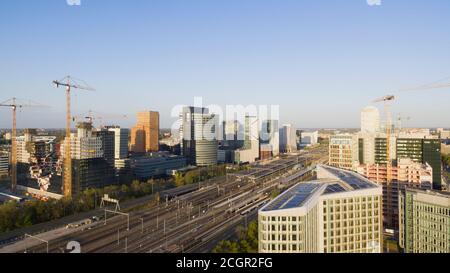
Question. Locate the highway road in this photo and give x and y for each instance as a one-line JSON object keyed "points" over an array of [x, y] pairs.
{"points": [[191, 220]]}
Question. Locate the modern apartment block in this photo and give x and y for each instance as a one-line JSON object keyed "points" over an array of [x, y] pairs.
{"points": [[199, 136], [145, 135], [424, 221], [343, 151], [406, 173], [341, 212]]}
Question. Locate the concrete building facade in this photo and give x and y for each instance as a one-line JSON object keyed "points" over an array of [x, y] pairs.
{"points": [[424, 221], [341, 212]]}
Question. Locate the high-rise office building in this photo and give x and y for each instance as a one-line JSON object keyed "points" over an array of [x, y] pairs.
{"points": [[145, 135], [199, 134], [424, 221], [122, 163], [370, 120], [270, 138], [288, 139], [341, 212], [249, 152], [343, 151], [108, 144], [120, 141]]}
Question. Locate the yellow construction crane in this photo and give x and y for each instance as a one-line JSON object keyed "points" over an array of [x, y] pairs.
{"points": [[69, 83], [387, 109], [14, 105]]}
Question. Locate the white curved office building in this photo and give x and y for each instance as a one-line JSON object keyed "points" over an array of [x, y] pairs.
{"points": [[341, 212]]}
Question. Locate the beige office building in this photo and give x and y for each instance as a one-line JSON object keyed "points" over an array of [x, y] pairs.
{"points": [[341, 212], [145, 135], [343, 152]]}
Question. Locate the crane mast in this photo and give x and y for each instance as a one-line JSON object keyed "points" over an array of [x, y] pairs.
{"points": [[69, 83], [12, 103], [387, 109], [14, 148]]}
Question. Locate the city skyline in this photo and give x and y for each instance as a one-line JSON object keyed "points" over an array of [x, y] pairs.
{"points": [[155, 55]]}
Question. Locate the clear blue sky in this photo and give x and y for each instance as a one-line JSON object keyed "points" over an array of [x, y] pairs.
{"points": [[322, 61]]}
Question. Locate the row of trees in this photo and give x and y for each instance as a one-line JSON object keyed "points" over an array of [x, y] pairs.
{"points": [[14, 215], [247, 241], [199, 175]]}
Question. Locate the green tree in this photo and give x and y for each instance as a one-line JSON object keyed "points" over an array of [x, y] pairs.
{"points": [[226, 247]]}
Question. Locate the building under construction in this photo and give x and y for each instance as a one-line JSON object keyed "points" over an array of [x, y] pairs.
{"points": [[92, 155]]}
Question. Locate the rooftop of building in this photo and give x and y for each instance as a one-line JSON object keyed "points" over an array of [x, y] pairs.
{"points": [[331, 181], [430, 192]]}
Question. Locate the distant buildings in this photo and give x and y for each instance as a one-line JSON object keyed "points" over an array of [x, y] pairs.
{"points": [[199, 136], [341, 212], [145, 135], [443, 134], [309, 138], [149, 166], [270, 139], [424, 221], [249, 152], [288, 139], [370, 120], [350, 150], [343, 151]]}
